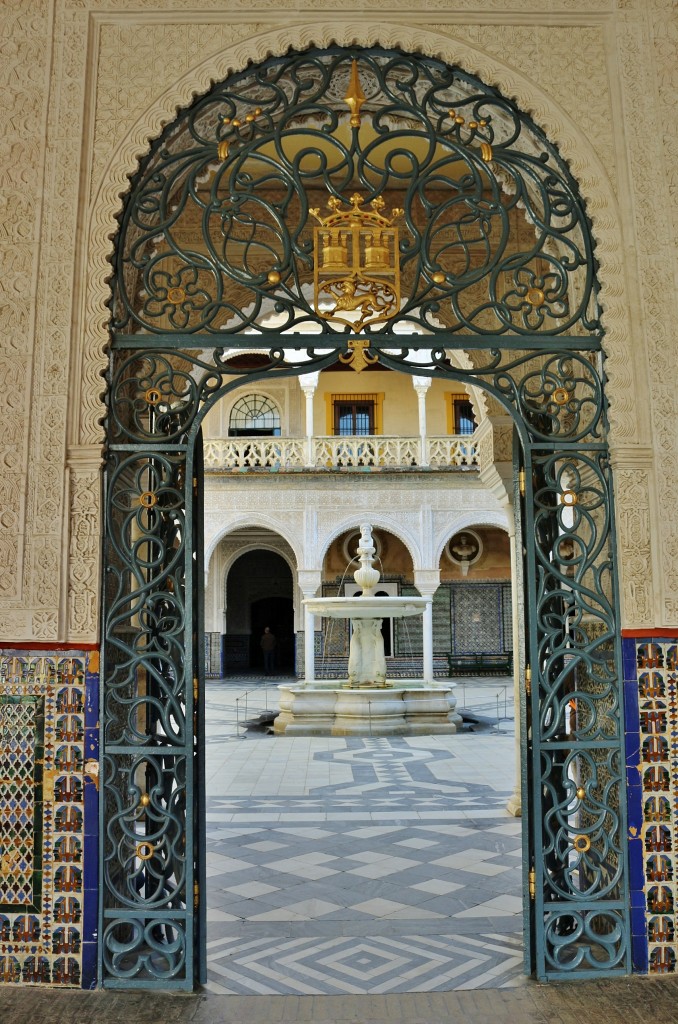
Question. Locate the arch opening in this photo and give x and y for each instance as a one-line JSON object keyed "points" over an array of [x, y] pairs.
{"points": [[388, 209]]}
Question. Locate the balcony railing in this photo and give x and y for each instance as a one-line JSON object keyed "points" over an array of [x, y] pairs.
{"points": [[377, 452]]}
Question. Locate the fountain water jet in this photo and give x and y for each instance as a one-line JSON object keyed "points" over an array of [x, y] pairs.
{"points": [[366, 704]]}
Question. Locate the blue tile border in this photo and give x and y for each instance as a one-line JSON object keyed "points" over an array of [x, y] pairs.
{"points": [[91, 828], [651, 727]]}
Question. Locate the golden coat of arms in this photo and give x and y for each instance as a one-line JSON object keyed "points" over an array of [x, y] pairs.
{"points": [[357, 265]]}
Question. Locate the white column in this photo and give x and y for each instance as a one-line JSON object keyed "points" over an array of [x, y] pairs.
{"points": [[427, 582], [309, 581], [421, 386], [308, 383], [514, 805], [428, 642], [309, 644]]}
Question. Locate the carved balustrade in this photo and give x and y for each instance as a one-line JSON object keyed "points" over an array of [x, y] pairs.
{"points": [[289, 453]]}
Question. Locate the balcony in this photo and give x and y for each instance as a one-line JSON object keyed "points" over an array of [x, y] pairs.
{"points": [[289, 454]]}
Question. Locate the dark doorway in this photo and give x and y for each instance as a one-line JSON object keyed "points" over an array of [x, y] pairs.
{"points": [[278, 614], [259, 591]]}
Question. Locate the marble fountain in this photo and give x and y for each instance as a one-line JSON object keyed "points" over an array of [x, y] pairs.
{"points": [[366, 703]]}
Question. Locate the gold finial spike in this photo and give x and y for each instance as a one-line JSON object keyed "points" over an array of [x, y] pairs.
{"points": [[355, 97]]}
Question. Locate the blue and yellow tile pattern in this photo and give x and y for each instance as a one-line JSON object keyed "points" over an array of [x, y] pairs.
{"points": [[48, 816], [651, 685]]}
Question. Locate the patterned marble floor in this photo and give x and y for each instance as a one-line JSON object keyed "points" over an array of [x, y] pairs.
{"points": [[361, 865]]}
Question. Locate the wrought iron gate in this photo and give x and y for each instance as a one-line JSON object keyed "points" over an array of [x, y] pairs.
{"points": [[485, 251]]}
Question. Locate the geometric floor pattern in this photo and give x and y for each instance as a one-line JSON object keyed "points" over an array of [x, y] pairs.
{"points": [[374, 866]]}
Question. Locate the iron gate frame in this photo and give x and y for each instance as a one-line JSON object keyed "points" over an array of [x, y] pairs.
{"points": [[161, 385]]}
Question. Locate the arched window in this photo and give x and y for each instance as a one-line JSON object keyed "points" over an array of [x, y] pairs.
{"points": [[254, 416]]}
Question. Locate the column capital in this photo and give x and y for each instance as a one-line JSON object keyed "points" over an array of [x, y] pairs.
{"points": [[421, 384], [634, 457], [309, 381], [85, 456], [309, 581], [427, 581]]}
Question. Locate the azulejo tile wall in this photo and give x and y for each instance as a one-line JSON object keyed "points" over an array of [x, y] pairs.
{"points": [[651, 685], [48, 817]]}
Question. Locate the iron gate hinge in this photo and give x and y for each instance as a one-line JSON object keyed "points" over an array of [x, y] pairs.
{"points": [[532, 876], [521, 483], [196, 894], [195, 689], [528, 680]]}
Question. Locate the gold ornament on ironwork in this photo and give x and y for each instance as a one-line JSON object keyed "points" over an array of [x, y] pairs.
{"points": [[582, 844], [357, 265], [569, 498], [176, 296], [357, 356], [355, 97], [535, 297], [145, 850], [485, 147], [147, 499], [561, 396], [232, 126]]}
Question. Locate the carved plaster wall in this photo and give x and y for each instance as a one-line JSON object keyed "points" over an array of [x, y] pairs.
{"points": [[423, 514], [89, 82]]}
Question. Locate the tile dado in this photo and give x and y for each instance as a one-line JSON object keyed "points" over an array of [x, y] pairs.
{"points": [[49, 731], [651, 684]]}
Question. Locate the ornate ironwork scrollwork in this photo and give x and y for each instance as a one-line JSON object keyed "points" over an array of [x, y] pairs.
{"points": [[493, 251], [216, 235]]}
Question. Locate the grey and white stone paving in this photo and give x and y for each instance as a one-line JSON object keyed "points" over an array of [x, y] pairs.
{"points": [[361, 865]]}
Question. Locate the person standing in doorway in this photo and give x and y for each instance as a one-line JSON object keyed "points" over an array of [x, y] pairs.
{"points": [[268, 645]]}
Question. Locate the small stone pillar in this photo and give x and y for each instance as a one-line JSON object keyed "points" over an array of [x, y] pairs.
{"points": [[421, 386], [308, 383]]}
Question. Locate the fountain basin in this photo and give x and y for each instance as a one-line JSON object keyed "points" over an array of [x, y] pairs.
{"points": [[363, 607], [327, 707]]}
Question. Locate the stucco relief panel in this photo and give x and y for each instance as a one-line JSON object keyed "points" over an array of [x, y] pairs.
{"points": [[646, 118], [633, 523], [23, 60], [142, 72], [85, 488], [40, 167], [665, 46], [54, 329], [578, 84]]}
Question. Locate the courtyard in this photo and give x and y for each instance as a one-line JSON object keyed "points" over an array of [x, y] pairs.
{"points": [[361, 865]]}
